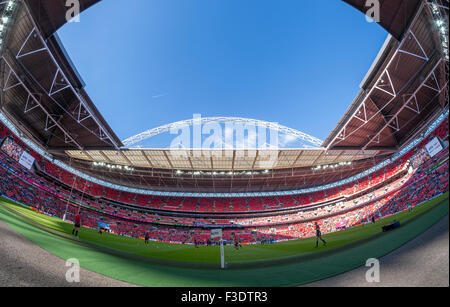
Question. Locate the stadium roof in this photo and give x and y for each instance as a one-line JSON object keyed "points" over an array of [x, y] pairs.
{"points": [[222, 160], [240, 179], [395, 15], [50, 15], [407, 85], [43, 95], [42, 91]]}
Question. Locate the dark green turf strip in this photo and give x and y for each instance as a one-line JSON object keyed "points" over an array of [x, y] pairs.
{"points": [[145, 273]]}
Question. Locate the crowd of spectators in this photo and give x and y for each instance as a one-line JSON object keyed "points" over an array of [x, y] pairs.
{"points": [[398, 187]]}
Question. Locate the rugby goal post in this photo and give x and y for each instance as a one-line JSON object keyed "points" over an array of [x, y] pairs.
{"points": [[217, 233]]}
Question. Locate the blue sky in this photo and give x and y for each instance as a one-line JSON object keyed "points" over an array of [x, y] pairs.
{"points": [[147, 63]]}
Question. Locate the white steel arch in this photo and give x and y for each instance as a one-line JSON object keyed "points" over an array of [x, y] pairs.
{"points": [[315, 142]]}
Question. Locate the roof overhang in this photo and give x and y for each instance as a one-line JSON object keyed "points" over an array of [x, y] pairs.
{"points": [[50, 15], [406, 85], [223, 160], [41, 89], [395, 16]]}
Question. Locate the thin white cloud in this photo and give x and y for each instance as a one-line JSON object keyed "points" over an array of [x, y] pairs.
{"points": [[159, 96], [287, 139]]}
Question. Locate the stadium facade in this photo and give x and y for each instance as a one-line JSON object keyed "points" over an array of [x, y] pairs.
{"points": [[366, 167]]}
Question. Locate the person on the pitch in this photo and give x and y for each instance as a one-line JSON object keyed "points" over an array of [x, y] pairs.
{"points": [[236, 242], [319, 235], [147, 237], [77, 225]]}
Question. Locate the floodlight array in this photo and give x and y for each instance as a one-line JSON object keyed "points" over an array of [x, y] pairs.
{"points": [[220, 173], [113, 166], [5, 19], [331, 166], [441, 26]]}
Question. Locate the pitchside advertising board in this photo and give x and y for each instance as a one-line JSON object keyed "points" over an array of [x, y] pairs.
{"points": [[434, 147], [103, 225], [26, 160], [17, 153]]}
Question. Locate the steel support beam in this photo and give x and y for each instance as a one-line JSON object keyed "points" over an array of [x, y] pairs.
{"points": [[386, 86], [50, 117], [393, 122], [61, 83]]}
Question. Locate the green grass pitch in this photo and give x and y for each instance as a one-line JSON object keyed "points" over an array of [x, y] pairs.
{"points": [[162, 264]]}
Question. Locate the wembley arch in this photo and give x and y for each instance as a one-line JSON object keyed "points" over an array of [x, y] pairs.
{"points": [[309, 141]]}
